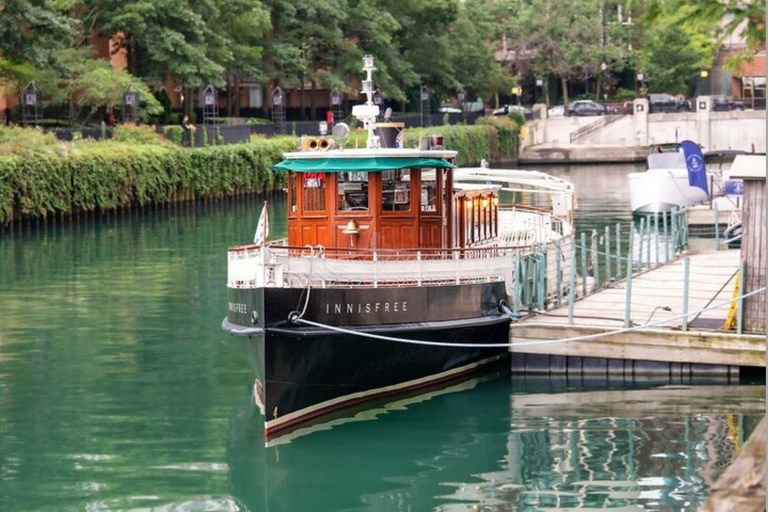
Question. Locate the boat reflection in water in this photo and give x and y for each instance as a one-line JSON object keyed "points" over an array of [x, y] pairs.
{"points": [[502, 444]]}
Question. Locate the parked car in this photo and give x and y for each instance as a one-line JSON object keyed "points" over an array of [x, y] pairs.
{"points": [[556, 111], [586, 108], [508, 109], [721, 102], [664, 103], [448, 109]]}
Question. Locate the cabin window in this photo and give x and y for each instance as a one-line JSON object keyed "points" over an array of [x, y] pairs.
{"points": [[313, 185], [352, 191], [429, 201], [292, 192], [396, 190]]}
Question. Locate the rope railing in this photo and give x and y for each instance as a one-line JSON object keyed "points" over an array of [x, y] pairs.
{"points": [[296, 319]]}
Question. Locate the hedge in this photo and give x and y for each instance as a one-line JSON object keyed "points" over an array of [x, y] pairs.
{"points": [[111, 175]]}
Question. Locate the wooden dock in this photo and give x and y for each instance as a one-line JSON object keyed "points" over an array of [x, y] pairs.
{"points": [[656, 295]]}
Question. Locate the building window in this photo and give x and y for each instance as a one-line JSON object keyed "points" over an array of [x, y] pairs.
{"points": [[429, 203], [255, 96], [313, 185], [396, 190], [352, 191]]}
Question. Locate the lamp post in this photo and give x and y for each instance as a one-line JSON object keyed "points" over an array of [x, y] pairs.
{"points": [[639, 83], [603, 68], [703, 81]]}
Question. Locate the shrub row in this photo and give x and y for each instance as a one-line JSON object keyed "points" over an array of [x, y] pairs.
{"points": [[107, 176], [110, 175]]}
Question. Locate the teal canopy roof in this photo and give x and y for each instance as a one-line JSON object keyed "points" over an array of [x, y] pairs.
{"points": [[369, 164]]}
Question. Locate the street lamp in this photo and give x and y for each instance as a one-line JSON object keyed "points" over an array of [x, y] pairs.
{"points": [[603, 68], [703, 80]]}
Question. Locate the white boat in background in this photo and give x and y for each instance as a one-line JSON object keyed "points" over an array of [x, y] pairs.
{"points": [[663, 186]]}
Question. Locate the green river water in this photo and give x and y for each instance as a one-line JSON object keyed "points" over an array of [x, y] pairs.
{"points": [[119, 391]]}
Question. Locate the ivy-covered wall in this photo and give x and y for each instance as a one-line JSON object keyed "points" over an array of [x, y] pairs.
{"points": [[107, 176]]}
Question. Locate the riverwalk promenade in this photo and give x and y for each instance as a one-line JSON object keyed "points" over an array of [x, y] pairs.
{"points": [[658, 295]]}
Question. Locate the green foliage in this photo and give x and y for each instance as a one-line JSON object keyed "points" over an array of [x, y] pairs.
{"points": [[674, 52], [23, 141], [136, 134], [517, 117], [174, 133], [624, 95], [109, 175]]}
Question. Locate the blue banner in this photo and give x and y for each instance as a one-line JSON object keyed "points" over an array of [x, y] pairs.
{"points": [[694, 161], [734, 187]]}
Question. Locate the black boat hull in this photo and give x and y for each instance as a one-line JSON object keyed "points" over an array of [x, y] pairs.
{"points": [[306, 372]]}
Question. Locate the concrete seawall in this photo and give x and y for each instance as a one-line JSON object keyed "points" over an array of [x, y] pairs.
{"points": [[624, 138]]}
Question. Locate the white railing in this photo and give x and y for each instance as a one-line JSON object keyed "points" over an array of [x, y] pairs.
{"points": [[278, 265]]}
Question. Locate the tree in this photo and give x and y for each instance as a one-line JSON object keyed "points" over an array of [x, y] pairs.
{"points": [[745, 18], [562, 38], [475, 35], [673, 52], [33, 30]]}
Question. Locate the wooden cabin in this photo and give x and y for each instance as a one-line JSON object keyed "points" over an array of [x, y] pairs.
{"points": [[385, 199]]}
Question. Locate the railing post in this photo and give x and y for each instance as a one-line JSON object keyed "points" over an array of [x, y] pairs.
{"points": [[542, 280], [640, 252], [516, 283], [656, 236], [595, 260], [717, 226], [666, 239], [648, 246], [375, 269], [558, 269], [572, 287], [618, 251], [740, 311], [607, 254], [628, 294], [686, 276], [673, 222], [418, 257], [583, 264]]}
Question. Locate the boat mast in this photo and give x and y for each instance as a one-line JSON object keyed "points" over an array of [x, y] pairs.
{"points": [[368, 113]]}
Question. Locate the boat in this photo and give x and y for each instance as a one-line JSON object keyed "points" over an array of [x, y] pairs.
{"points": [[666, 184], [397, 274]]}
